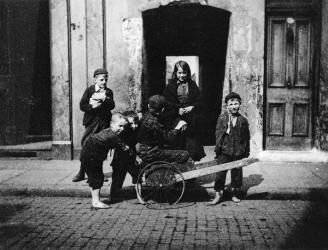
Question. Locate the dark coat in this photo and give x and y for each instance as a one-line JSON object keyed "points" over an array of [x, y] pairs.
{"points": [[99, 144], [103, 112], [194, 99], [241, 143], [194, 119], [152, 132]]}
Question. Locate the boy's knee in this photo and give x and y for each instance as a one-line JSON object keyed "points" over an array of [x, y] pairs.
{"points": [[95, 183], [183, 156]]}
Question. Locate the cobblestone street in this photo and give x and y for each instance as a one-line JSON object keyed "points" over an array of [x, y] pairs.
{"points": [[56, 222]]}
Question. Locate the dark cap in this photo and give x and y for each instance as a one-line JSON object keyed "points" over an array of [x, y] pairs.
{"points": [[232, 95], [156, 102], [100, 71]]}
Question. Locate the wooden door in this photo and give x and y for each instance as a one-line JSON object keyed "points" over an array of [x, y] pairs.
{"points": [[289, 83]]}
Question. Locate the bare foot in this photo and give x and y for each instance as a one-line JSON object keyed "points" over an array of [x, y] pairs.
{"points": [[100, 205], [235, 199], [216, 200]]}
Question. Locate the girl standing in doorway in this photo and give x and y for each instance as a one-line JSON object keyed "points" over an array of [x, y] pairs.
{"points": [[184, 95]]}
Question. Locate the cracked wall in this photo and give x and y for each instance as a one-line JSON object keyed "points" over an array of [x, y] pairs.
{"points": [[322, 119]]}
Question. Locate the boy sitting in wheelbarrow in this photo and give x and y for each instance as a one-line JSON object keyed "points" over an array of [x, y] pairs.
{"points": [[153, 136]]}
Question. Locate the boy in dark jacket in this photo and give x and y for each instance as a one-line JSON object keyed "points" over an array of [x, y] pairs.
{"points": [[96, 103], [232, 143], [154, 135], [123, 162], [94, 152]]}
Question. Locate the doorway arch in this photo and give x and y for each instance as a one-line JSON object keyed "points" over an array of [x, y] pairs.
{"points": [[187, 30]]}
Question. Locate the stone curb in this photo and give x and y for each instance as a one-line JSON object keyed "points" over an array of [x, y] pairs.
{"points": [[201, 193]]}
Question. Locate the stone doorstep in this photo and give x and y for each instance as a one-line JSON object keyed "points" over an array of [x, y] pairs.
{"points": [[293, 156]]}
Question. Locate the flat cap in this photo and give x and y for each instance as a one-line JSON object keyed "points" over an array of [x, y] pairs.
{"points": [[157, 102], [100, 71], [232, 95]]}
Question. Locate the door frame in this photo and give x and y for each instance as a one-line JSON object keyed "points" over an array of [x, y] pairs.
{"points": [[297, 8]]}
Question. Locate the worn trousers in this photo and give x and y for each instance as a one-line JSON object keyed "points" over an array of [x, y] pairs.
{"points": [[94, 169], [122, 164], [236, 174]]}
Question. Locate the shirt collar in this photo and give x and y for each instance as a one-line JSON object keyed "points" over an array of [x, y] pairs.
{"points": [[97, 88], [181, 83]]}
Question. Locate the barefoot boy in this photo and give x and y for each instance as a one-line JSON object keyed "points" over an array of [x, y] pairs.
{"points": [[95, 151], [232, 143]]}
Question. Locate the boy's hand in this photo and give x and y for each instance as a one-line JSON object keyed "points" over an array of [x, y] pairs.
{"points": [[188, 109], [138, 160], [182, 111], [181, 125]]}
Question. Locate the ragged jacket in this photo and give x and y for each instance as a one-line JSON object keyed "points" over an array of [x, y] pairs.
{"points": [[240, 147], [152, 131]]}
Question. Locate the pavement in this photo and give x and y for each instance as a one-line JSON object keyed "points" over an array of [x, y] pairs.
{"points": [[279, 180], [285, 207], [32, 222]]}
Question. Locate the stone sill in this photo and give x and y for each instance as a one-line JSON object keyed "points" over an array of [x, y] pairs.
{"points": [[293, 156]]}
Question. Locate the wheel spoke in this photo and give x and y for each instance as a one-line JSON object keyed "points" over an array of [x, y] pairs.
{"points": [[163, 184], [154, 190], [166, 174]]}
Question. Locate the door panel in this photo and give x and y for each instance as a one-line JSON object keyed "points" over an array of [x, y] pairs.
{"points": [[276, 119], [277, 72], [302, 53], [289, 92]]}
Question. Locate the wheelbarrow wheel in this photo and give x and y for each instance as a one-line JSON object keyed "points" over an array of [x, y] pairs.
{"points": [[161, 183]]}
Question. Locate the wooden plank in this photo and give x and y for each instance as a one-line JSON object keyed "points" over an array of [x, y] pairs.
{"points": [[206, 168]]}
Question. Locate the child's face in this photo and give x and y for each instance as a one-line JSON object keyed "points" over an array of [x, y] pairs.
{"points": [[132, 123], [118, 126], [181, 75], [101, 80], [233, 105]]}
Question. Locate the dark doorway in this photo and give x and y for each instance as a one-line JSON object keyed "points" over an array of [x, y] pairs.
{"points": [[25, 84], [190, 29]]}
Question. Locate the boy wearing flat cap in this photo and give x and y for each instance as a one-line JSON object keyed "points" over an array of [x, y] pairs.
{"points": [[232, 143], [96, 103]]}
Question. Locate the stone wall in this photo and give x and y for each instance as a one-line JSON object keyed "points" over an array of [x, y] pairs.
{"points": [[244, 67], [322, 122], [60, 80], [90, 34]]}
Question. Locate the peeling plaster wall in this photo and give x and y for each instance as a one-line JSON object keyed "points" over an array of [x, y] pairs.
{"points": [[117, 52], [61, 147], [115, 41], [244, 63], [323, 89]]}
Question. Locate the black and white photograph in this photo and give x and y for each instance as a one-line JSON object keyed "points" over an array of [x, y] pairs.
{"points": [[163, 124]]}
